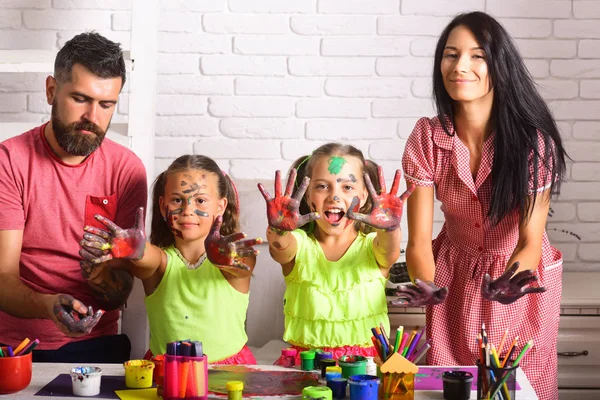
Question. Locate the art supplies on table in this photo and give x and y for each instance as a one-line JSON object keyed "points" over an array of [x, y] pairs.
{"points": [[496, 376], [186, 371]]}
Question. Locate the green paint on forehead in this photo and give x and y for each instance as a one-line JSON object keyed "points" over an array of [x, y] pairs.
{"points": [[336, 164]]}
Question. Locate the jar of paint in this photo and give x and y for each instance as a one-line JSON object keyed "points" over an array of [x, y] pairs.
{"points": [[338, 387], [288, 357], [371, 366], [321, 355], [352, 365], [326, 362], [308, 360], [363, 387], [138, 374], [331, 375], [234, 390], [86, 381], [316, 393]]}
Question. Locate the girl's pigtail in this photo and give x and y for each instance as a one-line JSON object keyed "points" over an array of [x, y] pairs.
{"points": [[160, 233], [231, 216]]}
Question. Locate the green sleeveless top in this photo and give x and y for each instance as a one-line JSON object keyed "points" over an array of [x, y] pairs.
{"points": [[334, 303], [197, 304]]}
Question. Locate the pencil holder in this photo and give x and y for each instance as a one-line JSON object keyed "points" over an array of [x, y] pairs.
{"points": [[397, 386], [185, 378], [496, 383]]}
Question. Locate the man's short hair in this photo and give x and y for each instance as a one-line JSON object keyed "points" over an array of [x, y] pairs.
{"points": [[102, 57]]}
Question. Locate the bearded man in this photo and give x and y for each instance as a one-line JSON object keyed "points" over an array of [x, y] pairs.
{"points": [[54, 179]]}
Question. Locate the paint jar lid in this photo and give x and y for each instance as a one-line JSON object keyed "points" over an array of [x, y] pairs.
{"points": [[333, 368], [289, 352], [316, 392], [235, 385], [307, 355]]}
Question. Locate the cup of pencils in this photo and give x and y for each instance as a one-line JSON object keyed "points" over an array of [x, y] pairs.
{"points": [[15, 366], [496, 383], [186, 371], [397, 386]]}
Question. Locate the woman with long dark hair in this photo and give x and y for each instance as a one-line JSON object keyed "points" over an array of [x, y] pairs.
{"points": [[493, 156]]}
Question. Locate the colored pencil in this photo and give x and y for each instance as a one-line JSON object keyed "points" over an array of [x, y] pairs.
{"points": [[412, 336], [414, 343], [421, 353], [398, 338], [21, 346], [502, 342], [404, 339], [510, 351]]}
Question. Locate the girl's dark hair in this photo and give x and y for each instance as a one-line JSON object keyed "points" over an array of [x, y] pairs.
{"points": [[161, 235], [518, 114], [100, 56], [305, 164]]}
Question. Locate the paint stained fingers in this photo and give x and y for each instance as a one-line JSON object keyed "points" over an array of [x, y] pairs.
{"points": [[86, 324], [509, 272], [302, 189], [277, 183], [353, 213], [98, 232], [540, 289], [381, 179], [92, 258], [306, 218], [248, 243], [407, 192], [524, 278], [246, 252], [370, 187], [264, 192], [235, 237], [95, 244], [289, 189], [396, 183], [93, 251], [108, 223]]}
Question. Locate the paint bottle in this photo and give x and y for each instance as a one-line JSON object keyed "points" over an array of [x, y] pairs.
{"points": [[316, 393], [326, 362], [363, 387], [288, 357], [308, 360], [234, 390], [371, 366], [321, 355]]}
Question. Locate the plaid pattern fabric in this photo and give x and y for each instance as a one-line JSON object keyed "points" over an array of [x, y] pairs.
{"points": [[469, 246]]}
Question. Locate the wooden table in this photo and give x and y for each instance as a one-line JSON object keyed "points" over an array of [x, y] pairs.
{"points": [[43, 373]]}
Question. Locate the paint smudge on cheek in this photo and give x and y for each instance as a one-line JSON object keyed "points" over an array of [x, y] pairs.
{"points": [[201, 213], [172, 216]]}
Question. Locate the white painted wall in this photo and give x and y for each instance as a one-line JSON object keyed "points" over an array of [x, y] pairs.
{"points": [[255, 84]]}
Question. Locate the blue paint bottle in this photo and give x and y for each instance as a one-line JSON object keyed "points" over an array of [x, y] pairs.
{"points": [[363, 387]]}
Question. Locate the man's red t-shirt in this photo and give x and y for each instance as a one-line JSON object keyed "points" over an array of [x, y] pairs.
{"points": [[52, 202]]}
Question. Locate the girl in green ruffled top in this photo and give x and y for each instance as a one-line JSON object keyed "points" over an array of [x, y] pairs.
{"points": [[336, 239], [196, 269]]}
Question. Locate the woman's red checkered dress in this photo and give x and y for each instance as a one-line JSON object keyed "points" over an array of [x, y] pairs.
{"points": [[470, 246]]}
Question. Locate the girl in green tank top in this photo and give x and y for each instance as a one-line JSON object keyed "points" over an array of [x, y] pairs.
{"points": [[336, 233], [196, 269]]}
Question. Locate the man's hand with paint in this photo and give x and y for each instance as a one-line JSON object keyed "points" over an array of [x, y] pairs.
{"points": [[509, 287], [387, 207], [283, 211], [228, 252], [121, 243], [71, 316], [419, 294]]}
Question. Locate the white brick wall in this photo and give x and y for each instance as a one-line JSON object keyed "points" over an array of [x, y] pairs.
{"points": [[256, 84]]}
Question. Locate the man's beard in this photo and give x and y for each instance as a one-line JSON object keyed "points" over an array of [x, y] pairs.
{"points": [[74, 142]]}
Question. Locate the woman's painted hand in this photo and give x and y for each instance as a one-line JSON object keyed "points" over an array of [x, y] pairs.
{"points": [[509, 287], [229, 251], [420, 294], [71, 316], [387, 207], [99, 245], [283, 211]]}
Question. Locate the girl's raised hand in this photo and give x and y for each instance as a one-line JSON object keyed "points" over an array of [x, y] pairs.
{"points": [[387, 207], [283, 211], [509, 287], [420, 294], [229, 250], [121, 243]]}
